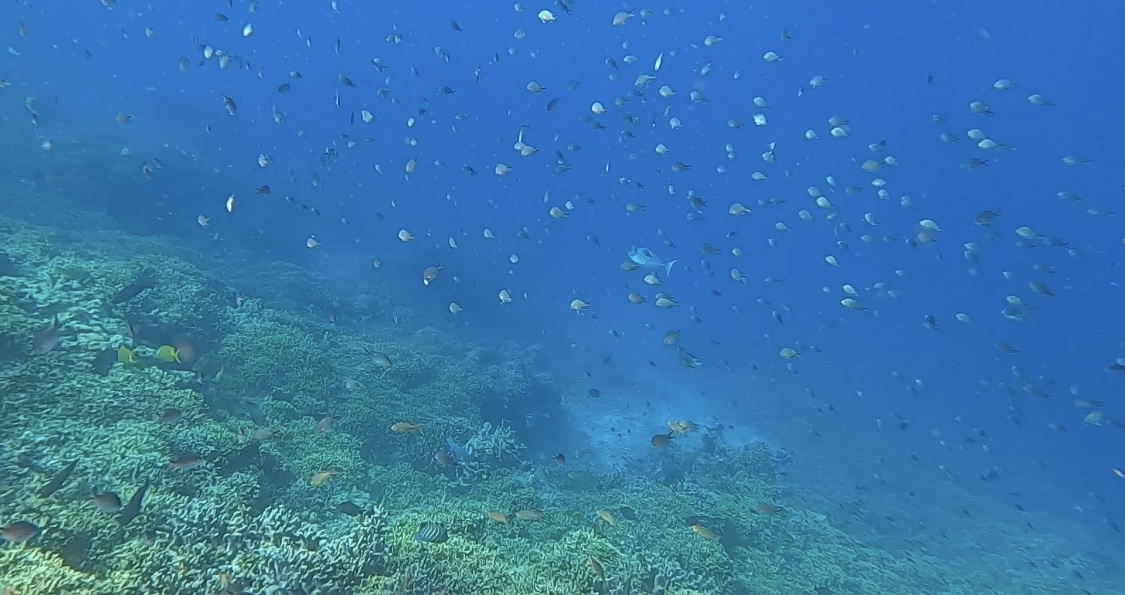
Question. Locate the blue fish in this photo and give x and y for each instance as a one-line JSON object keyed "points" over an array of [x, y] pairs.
{"points": [[431, 533], [647, 258], [457, 451]]}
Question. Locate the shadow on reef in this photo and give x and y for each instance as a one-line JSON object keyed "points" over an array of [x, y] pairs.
{"points": [[537, 416]]}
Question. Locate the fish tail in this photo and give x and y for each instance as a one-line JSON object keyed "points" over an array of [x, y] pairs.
{"points": [[668, 267]]}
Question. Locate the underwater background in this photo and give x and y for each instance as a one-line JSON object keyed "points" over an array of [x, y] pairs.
{"points": [[700, 298]]}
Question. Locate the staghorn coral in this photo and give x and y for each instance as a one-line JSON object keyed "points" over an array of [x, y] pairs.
{"points": [[32, 571], [494, 446], [277, 549]]}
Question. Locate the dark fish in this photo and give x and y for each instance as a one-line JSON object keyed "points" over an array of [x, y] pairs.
{"points": [[431, 533], [593, 392], [349, 508], [627, 513], [263, 189], [46, 339], [145, 280], [380, 359], [107, 502], [58, 480], [283, 88], [21, 531], [133, 508], [325, 425], [171, 416], [103, 362], [185, 461]]}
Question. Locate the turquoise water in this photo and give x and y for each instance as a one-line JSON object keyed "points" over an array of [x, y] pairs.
{"points": [[337, 297]]}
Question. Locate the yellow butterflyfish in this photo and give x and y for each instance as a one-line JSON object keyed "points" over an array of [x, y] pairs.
{"points": [[168, 353], [126, 355]]}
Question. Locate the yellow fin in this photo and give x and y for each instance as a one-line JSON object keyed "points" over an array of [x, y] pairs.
{"points": [[168, 353]]}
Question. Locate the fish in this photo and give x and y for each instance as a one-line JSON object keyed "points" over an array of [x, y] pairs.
{"points": [[767, 509], [322, 477], [646, 258], [681, 428], [431, 533], [379, 358], [703, 532], [107, 502], [349, 508], [460, 455], [133, 508], [662, 440], [58, 480], [104, 361], [597, 567], [167, 353], [185, 461], [498, 516], [403, 427], [607, 516], [46, 339], [19, 531], [326, 424], [126, 355], [529, 514]]}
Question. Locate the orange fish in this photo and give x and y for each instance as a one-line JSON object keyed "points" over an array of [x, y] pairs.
{"points": [[322, 477], [529, 514], [703, 532], [404, 426], [498, 516], [662, 440], [607, 517]]}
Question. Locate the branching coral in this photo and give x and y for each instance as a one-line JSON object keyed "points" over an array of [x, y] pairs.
{"points": [[277, 549]]}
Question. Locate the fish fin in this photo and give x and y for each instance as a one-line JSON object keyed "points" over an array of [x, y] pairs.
{"points": [[668, 267]]}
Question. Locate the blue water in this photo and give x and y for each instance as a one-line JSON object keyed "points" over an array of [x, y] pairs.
{"points": [[871, 389]]}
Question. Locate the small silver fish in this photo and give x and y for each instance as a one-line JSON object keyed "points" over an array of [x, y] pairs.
{"points": [[48, 338]]}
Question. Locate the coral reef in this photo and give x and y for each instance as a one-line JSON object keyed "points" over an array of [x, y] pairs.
{"points": [[298, 483]]}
